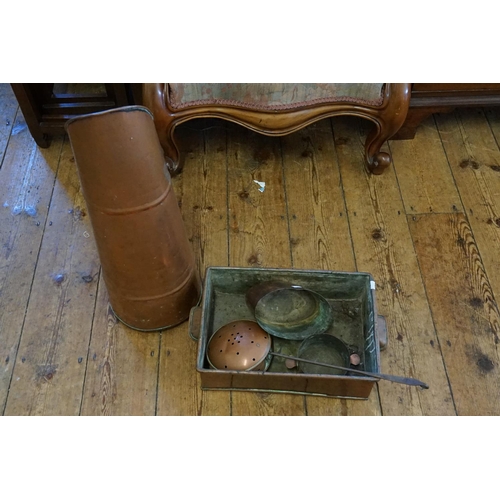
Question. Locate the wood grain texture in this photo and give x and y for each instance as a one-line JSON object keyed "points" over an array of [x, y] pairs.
{"points": [[493, 117], [49, 372], [424, 174], [201, 191], [466, 316], [258, 236], [319, 229], [474, 157], [123, 372], [122, 366], [384, 248], [26, 184], [8, 109]]}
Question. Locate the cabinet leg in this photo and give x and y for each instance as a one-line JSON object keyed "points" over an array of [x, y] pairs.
{"points": [[413, 119], [31, 109]]}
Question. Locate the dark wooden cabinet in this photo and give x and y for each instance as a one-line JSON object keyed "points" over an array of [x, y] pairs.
{"points": [[47, 106], [429, 98]]}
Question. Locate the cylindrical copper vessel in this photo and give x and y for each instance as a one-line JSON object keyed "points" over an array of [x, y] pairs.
{"points": [[147, 262]]}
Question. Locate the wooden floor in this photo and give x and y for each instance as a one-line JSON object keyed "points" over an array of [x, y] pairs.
{"points": [[428, 230]]}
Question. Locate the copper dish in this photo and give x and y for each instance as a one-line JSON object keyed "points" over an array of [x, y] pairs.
{"points": [[289, 311]]}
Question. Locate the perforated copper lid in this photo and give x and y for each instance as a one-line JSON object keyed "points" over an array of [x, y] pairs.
{"points": [[239, 345]]}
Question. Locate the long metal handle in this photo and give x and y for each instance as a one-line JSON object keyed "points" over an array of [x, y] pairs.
{"points": [[381, 376]]}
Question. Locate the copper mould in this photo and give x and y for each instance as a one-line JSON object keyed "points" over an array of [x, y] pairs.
{"points": [[147, 262]]}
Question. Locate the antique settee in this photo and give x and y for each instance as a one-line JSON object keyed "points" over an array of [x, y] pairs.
{"points": [[278, 108]]}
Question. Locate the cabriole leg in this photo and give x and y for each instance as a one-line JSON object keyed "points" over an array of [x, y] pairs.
{"points": [[376, 160], [172, 155], [387, 122]]}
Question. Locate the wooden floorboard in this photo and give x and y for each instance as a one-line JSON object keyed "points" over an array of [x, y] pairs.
{"points": [[258, 236], [26, 185], [49, 373], [8, 109], [384, 248], [424, 175], [427, 230], [122, 366], [202, 192], [319, 229], [474, 157], [467, 318]]}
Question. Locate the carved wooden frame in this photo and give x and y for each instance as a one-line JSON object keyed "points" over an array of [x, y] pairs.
{"points": [[387, 117]]}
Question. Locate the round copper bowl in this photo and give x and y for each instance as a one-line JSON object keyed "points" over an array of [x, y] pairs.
{"points": [[323, 348], [289, 311], [240, 345]]}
